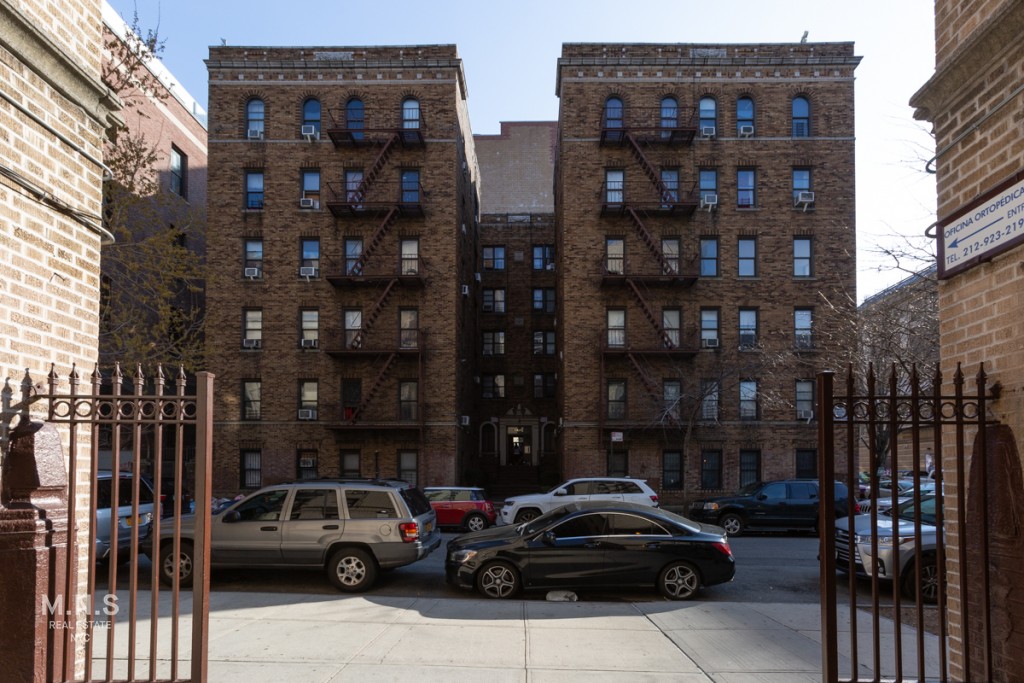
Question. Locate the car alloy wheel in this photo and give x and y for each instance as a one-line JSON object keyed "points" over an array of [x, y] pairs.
{"points": [[527, 516], [732, 524], [184, 564], [475, 522], [679, 581], [498, 580], [352, 570]]}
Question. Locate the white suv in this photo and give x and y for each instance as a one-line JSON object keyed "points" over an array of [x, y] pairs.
{"points": [[519, 509]]}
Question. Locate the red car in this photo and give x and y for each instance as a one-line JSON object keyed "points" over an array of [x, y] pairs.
{"points": [[462, 506]]}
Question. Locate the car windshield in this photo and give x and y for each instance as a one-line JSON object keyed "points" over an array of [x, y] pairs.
{"points": [[907, 510], [748, 489], [545, 519]]}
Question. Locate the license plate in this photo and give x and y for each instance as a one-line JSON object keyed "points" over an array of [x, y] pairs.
{"points": [[131, 521], [430, 527]]}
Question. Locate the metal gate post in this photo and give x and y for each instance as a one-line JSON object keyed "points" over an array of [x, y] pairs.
{"points": [[827, 537], [201, 547]]}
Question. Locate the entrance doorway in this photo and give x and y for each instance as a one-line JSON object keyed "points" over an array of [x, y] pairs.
{"points": [[519, 448]]}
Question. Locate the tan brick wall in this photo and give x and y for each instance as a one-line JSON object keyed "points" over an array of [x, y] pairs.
{"points": [[519, 165]]}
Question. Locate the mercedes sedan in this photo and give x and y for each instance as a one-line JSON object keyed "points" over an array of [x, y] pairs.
{"points": [[593, 545]]}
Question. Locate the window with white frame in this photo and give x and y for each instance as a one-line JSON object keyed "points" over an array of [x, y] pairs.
{"points": [[252, 324], [614, 186], [803, 257], [613, 112], [615, 256], [801, 186], [309, 323], [309, 394], [616, 327], [409, 250], [310, 258], [803, 324], [748, 328], [707, 112], [353, 328], [254, 119], [748, 399], [411, 113], [253, 258], [251, 406], [745, 188], [408, 328]]}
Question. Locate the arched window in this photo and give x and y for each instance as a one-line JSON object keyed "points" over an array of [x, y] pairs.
{"points": [[613, 113], [801, 117], [411, 113], [669, 114], [355, 118], [254, 119], [311, 116], [708, 114], [745, 117]]}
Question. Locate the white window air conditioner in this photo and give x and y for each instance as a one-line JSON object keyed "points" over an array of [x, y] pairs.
{"points": [[464, 420], [478, 277], [308, 271], [746, 131], [255, 134], [307, 414], [310, 343], [708, 201], [805, 415], [804, 199], [465, 290], [252, 273], [309, 132], [252, 343], [709, 343], [306, 463], [707, 131], [307, 203]]}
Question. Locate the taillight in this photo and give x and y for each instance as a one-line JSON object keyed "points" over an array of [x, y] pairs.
{"points": [[654, 498], [489, 507], [410, 531], [856, 508], [723, 548]]}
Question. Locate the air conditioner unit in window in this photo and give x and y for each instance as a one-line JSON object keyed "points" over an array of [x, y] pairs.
{"points": [[308, 271], [306, 463], [478, 277], [307, 414], [746, 131], [804, 200], [252, 272], [252, 343], [707, 131], [708, 201], [464, 420], [310, 343], [307, 203], [309, 132], [465, 290], [255, 134], [805, 415], [709, 343]]}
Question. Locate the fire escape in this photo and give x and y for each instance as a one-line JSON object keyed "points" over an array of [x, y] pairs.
{"points": [[643, 132], [362, 199]]}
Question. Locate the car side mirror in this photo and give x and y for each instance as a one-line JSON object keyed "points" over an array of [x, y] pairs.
{"points": [[762, 496], [561, 492], [232, 517], [548, 538]]}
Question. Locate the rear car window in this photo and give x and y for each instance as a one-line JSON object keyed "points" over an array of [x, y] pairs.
{"points": [[803, 490], [417, 502], [438, 495], [631, 525], [124, 492], [315, 504], [462, 496], [363, 504]]}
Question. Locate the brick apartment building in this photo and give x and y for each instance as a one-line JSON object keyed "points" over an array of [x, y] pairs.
{"points": [[341, 234], [705, 209]]}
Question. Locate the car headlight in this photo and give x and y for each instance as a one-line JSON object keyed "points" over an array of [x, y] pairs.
{"points": [[710, 507], [461, 556], [899, 540]]}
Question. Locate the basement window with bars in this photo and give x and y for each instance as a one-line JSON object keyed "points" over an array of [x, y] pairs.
{"points": [[251, 469]]}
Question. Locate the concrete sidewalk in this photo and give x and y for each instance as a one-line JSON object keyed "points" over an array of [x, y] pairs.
{"points": [[271, 637]]}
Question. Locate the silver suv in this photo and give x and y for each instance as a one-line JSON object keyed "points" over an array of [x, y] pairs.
{"points": [[519, 509], [352, 529]]}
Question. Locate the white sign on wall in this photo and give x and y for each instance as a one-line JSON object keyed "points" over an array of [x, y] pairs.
{"points": [[987, 226]]}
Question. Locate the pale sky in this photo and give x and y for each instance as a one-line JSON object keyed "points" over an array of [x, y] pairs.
{"points": [[510, 49]]}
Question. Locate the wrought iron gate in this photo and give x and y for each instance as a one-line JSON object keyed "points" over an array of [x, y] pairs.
{"points": [[893, 634], [155, 436]]}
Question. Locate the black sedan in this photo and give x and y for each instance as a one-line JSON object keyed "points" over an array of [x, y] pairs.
{"points": [[593, 545]]}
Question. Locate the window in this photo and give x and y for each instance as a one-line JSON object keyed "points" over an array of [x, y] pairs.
{"points": [[616, 399], [309, 324], [804, 399], [179, 172], [747, 257], [306, 468], [407, 468], [252, 327], [615, 256], [308, 395], [494, 258], [669, 115], [311, 114], [708, 181], [544, 385], [254, 119], [671, 322], [709, 399], [351, 397], [310, 257], [544, 300], [584, 526], [492, 386], [670, 250], [613, 113], [671, 392], [750, 466], [745, 197], [410, 178], [494, 300], [350, 467], [408, 399], [355, 118], [494, 344], [353, 322], [251, 399], [670, 183], [616, 327], [744, 116], [803, 321], [748, 399], [408, 328], [803, 262], [618, 461], [410, 256], [311, 188], [801, 117], [543, 257], [709, 257], [672, 470], [807, 463], [708, 115], [544, 343], [710, 469], [353, 254], [709, 327], [354, 190], [748, 328], [411, 114], [254, 190], [251, 469], [253, 258], [614, 183], [801, 187]]}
